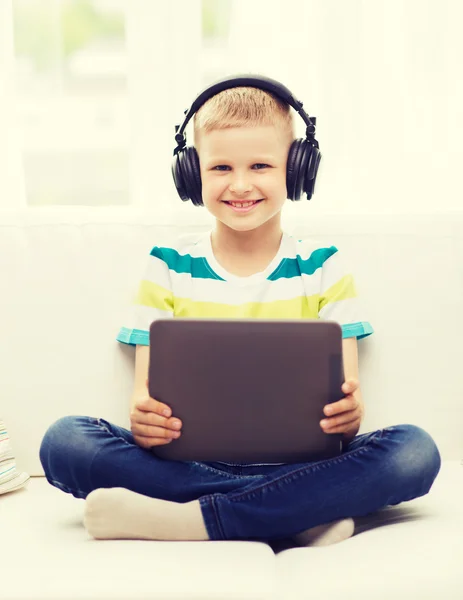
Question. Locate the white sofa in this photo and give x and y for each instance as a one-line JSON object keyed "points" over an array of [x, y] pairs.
{"points": [[68, 275]]}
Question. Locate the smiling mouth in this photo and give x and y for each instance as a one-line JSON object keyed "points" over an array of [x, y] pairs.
{"points": [[242, 204]]}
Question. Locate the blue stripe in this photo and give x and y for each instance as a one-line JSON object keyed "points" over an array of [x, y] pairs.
{"points": [[288, 268], [295, 267], [7, 471], [184, 263], [358, 330], [133, 337]]}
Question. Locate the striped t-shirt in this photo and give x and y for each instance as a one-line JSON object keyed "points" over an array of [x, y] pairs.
{"points": [[305, 280]]}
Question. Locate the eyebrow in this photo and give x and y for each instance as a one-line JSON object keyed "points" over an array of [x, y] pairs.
{"points": [[220, 161]]}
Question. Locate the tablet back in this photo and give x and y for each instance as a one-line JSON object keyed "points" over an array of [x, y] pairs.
{"points": [[247, 391]]}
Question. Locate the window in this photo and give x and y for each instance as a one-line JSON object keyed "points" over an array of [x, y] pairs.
{"points": [[72, 93]]}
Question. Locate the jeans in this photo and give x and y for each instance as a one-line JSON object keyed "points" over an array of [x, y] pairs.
{"points": [[247, 502]]}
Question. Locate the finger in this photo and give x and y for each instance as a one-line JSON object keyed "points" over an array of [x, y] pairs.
{"points": [[347, 417], [151, 418], [154, 431], [341, 427], [150, 442], [148, 404], [154, 423], [346, 404], [148, 418], [350, 385]]}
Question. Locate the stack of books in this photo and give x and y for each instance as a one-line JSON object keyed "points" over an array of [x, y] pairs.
{"points": [[10, 478]]}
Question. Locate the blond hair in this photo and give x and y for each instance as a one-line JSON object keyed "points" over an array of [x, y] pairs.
{"points": [[241, 107]]}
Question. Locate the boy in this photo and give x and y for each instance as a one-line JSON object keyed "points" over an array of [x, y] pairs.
{"points": [[247, 266]]}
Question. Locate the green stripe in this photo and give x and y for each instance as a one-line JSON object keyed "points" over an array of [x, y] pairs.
{"points": [[288, 268]]}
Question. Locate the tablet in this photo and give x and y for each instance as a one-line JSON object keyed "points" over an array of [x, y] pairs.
{"points": [[247, 390]]}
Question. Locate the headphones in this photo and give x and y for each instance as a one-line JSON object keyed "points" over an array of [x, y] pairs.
{"points": [[303, 158]]}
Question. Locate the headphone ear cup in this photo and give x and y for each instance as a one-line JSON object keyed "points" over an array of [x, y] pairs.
{"points": [[293, 168], [187, 175], [177, 174], [311, 171], [196, 185], [301, 170]]}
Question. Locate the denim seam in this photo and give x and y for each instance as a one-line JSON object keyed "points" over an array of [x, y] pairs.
{"points": [[297, 473], [94, 456], [214, 526], [224, 473], [119, 437]]}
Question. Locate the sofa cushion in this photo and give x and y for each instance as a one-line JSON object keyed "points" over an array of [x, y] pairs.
{"points": [[48, 554], [412, 550]]}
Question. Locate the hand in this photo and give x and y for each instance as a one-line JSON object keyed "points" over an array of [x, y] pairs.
{"points": [[149, 425], [345, 415]]}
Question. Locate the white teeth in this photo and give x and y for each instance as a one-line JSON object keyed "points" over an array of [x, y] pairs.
{"points": [[242, 204]]}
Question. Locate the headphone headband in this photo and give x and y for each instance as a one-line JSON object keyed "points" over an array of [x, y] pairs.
{"points": [[258, 81]]}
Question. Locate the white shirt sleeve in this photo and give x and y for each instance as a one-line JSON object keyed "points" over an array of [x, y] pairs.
{"points": [[153, 300], [339, 301]]}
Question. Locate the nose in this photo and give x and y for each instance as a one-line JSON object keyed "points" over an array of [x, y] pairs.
{"points": [[240, 185]]}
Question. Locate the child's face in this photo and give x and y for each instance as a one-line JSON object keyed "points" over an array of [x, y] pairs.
{"points": [[244, 163]]}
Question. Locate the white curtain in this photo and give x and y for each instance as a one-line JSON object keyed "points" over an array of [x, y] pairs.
{"points": [[163, 45], [383, 78], [12, 185]]}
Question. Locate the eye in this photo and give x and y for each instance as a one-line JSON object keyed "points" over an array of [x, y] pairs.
{"points": [[259, 165]]}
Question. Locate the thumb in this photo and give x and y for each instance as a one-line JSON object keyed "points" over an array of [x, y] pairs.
{"points": [[350, 385]]}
